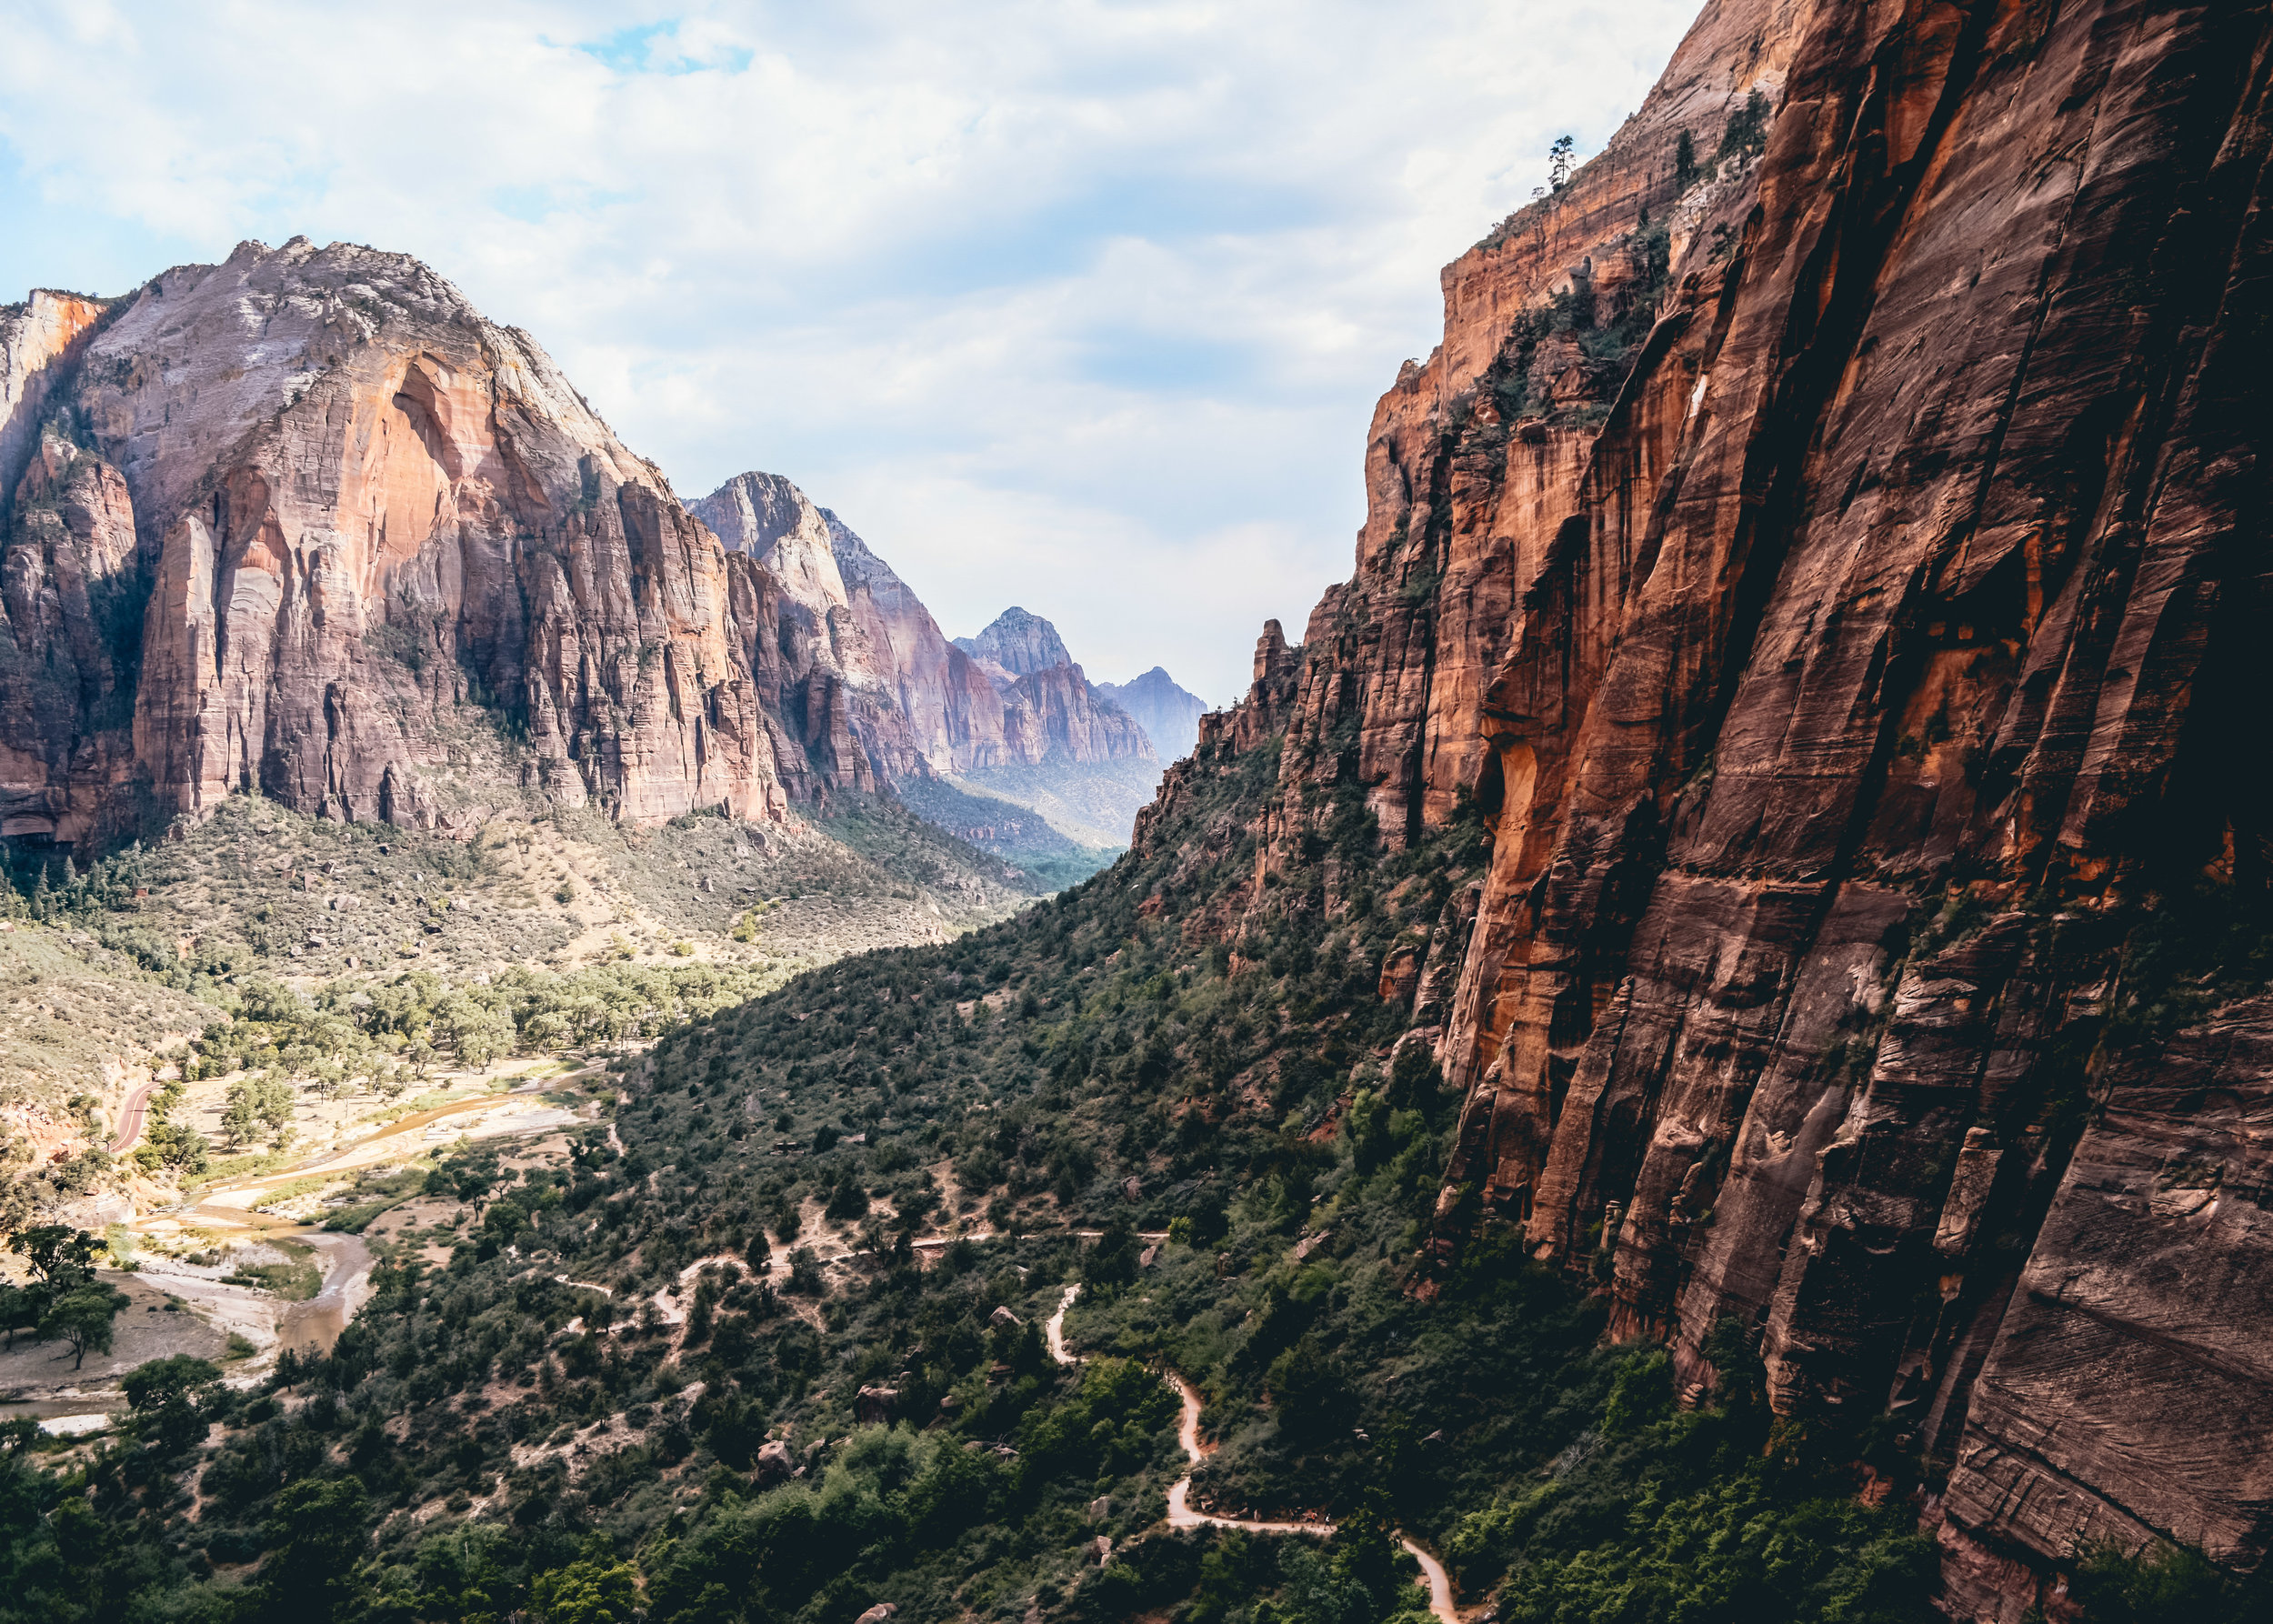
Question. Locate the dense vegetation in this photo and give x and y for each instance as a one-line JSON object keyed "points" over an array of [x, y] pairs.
{"points": [[702, 1368]]}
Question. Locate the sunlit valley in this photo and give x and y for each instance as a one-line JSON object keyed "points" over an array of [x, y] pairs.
{"points": [[1693, 1046]]}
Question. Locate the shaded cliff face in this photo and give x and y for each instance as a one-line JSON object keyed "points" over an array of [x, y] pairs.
{"points": [[844, 658], [40, 340], [1824, 549]]}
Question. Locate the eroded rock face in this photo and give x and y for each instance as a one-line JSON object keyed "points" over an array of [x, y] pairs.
{"points": [[848, 681], [340, 539], [954, 710], [1832, 569], [914, 700], [306, 522], [40, 342]]}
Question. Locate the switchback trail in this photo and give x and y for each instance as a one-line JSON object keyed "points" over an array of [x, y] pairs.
{"points": [[1180, 1512]]}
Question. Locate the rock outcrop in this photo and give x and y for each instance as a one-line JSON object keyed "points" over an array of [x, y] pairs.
{"points": [[40, 340], [1169, 716], [1011, 698], [1825, 553], [955, 714], [1051, 711]]}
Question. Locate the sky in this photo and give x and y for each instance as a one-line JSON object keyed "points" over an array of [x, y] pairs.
{"points": [[1082, 306]]}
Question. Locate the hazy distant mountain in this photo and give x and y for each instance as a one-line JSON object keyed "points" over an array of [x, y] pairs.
{"points": [[1008, 711], [1168, 714], [1019, 642]]}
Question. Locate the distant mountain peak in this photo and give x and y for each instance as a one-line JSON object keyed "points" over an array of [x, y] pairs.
{"points": [[1020, 642], [1168, 714], [768, 518]]}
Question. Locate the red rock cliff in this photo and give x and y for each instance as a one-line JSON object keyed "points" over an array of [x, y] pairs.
{"points": [[1827, 549]]}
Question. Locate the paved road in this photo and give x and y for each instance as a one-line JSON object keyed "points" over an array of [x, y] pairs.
{"points": [[130, 1118]]}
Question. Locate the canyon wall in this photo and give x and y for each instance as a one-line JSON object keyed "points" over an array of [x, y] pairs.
{"points": [[305, 522], [1826, 554]]}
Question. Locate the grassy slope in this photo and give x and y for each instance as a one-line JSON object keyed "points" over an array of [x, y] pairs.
{"points": [[106, 969], [257, 885], [1010, 830]]}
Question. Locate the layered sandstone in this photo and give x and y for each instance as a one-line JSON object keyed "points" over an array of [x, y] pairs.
{"points": [[1831, 570], [842, 658], [341, 539]]}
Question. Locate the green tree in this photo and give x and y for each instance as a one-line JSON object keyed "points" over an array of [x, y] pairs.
{"points": [[61, 1255], [1307, 1390], [316, 1536], [1560, 162], [160, 1382], [82, 1316], [21, 1307], [847, 1201], [1113, 1260], [160, 1392], [167, 1145], [260, 1100], [1642, 1393], [593, 1590]]}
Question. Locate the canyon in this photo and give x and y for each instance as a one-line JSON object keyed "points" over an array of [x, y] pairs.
{"points": [[1819, 571], [1824, 555], [953, 706]]}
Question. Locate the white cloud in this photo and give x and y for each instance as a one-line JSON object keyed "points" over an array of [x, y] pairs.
{"points": [[1079, 306]]}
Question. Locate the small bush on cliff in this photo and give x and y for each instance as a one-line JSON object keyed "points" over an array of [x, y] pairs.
{"points": [[2115, 1586]]}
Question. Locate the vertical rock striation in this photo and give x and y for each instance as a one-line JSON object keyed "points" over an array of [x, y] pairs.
{"points": [[1826, 550], [305, 522]]}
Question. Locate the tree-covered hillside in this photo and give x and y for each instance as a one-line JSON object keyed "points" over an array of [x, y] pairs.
{"points": [[767, 1345]]}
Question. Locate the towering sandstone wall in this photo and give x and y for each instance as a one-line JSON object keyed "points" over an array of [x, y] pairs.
{"points": [[306, 522], [1834, 568]]}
